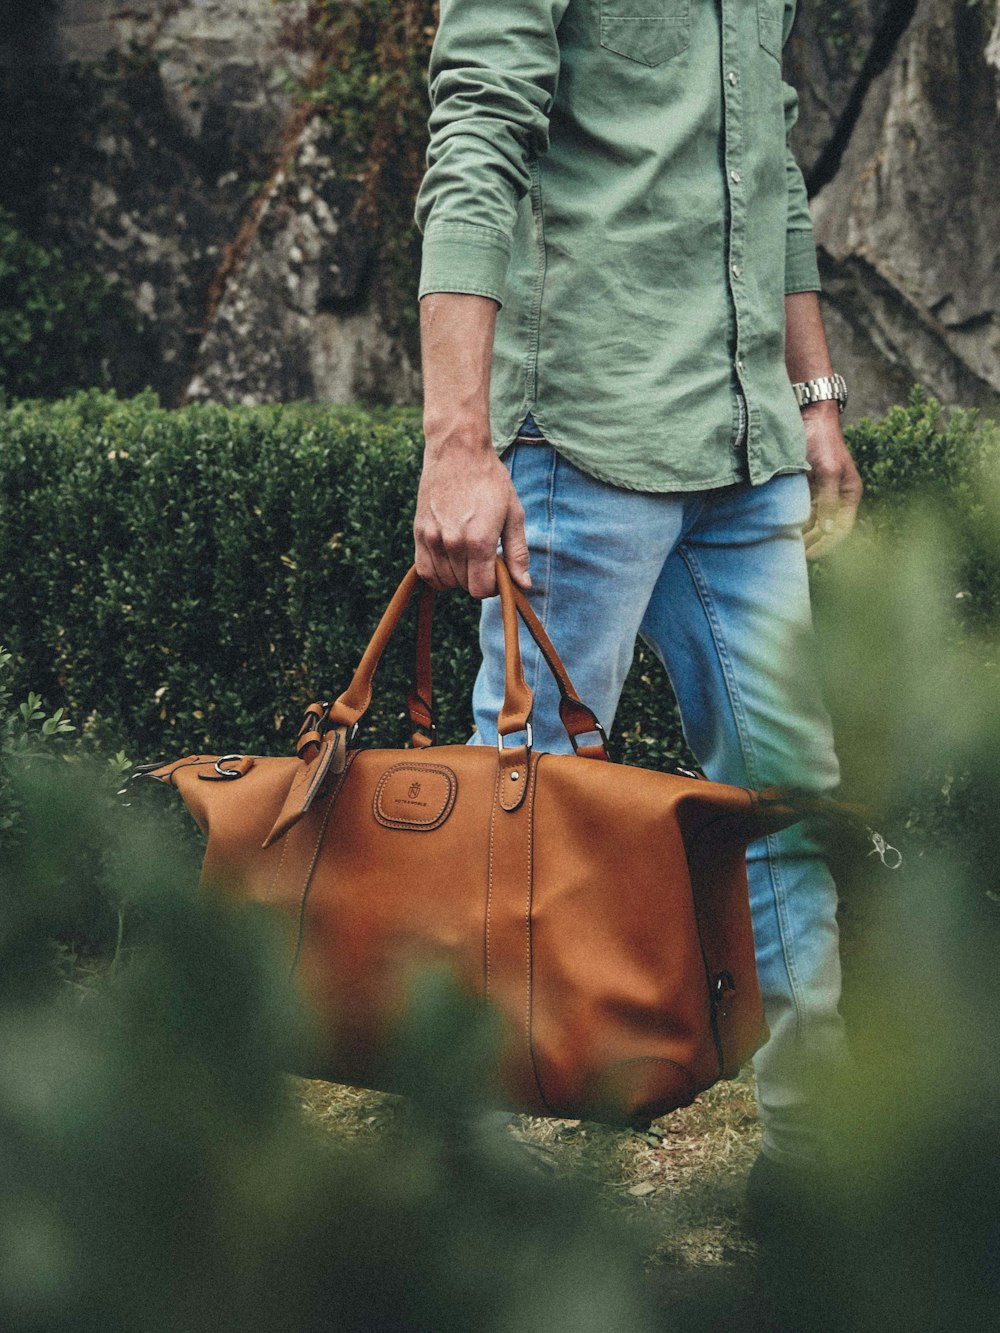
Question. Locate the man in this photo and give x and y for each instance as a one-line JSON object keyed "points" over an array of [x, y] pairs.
{"points": [[618, 293]]}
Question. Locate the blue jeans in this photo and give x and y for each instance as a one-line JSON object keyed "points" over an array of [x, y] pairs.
{"points": [[715, 583]]}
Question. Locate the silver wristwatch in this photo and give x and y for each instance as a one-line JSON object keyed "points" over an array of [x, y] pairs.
{"points": [[819, 390]]}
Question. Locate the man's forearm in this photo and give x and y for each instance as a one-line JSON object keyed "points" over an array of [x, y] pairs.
{"points": [[807, 355], [833, 481], [456, 339], [466, 502]]}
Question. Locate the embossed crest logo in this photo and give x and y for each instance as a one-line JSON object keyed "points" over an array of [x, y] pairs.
{"points": [[415, 796]]}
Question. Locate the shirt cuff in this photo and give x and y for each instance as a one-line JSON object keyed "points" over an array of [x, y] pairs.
{"points": [[464, 257], [801, 269]]}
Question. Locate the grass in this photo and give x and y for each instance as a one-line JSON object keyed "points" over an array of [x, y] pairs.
{"points": [[684, 1180]]}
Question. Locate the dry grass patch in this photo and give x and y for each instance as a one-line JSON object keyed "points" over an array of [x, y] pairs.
{"points": [[684, 1179]]}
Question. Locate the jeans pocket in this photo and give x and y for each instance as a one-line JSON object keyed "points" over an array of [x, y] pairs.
{"points": [[647, 31], [770, 16]]}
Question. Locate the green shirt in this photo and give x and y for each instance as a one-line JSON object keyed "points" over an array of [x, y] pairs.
{"points": [[616, 173]]}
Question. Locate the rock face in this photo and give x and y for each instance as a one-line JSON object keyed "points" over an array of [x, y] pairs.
{"points": [[150, 144], [298, 317], [162, 145], [906, 225]]}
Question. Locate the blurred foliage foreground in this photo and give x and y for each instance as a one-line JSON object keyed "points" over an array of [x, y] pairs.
{"points": [[156, 1174]]}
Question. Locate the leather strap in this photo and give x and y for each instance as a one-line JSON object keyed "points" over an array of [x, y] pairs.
{"points": [[331, 757], [419, 701], [515, 712], [577, 718]]}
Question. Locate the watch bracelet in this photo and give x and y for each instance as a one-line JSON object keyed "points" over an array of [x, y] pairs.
{"points": [[821, 389]]}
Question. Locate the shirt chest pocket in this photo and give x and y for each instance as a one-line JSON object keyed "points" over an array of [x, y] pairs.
{"points": [[648, 31]]}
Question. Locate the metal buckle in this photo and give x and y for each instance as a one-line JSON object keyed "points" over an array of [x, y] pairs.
{"points": [[323, 725], [600, 731], [527, 730]]}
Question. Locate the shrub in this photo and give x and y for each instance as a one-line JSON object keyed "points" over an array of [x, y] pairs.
{"points": [[194, 578], [189, 580], [156, 1173], [26, 732], [945, 461]]}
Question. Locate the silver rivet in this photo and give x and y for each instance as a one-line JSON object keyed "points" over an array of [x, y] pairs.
{"points": [[515, 775]]}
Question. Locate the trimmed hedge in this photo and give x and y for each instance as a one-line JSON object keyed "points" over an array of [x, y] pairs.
{"points": [[193, 578]]}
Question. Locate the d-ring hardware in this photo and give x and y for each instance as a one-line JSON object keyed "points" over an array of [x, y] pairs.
{"points": [[527, 732], [228, 772]]}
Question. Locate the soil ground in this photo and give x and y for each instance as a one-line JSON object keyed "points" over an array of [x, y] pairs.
{"points": [[687, 1176]]}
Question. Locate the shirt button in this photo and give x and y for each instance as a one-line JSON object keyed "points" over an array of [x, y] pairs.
{"points": [[741, 365], [732, 76], [735, 176], [736, 270]]}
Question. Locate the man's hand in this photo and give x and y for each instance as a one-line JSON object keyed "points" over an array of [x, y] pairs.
{"points": [[834, 481], [466, 503]]}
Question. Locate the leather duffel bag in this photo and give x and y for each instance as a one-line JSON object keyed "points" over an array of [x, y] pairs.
{"points": [[601, 909]]}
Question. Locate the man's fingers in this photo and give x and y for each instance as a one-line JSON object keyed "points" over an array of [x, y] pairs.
{"points": [[826, 500], [833, 514], [515, 545], [483, 576], [454, 555], [462, 514], [433, 566]]}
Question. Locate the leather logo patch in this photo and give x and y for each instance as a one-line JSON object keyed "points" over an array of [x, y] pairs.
{"points": [[415, 796]]}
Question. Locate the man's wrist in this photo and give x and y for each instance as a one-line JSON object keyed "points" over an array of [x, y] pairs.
{"points": [[452, 438], [827, 407]]}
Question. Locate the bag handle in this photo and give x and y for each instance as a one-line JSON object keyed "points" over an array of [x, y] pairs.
{"points": [[515, 713], [424, 731], [576, 717], [419, 701]]}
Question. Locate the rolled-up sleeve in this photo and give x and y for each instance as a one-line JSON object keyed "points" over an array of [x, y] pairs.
{"points": [[801, 269], [493, 74]]}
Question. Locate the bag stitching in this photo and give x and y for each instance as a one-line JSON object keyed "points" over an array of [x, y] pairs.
{"points": [[489, 881], [272, 888], [529, 997], [307, 884], [728, 816]]}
